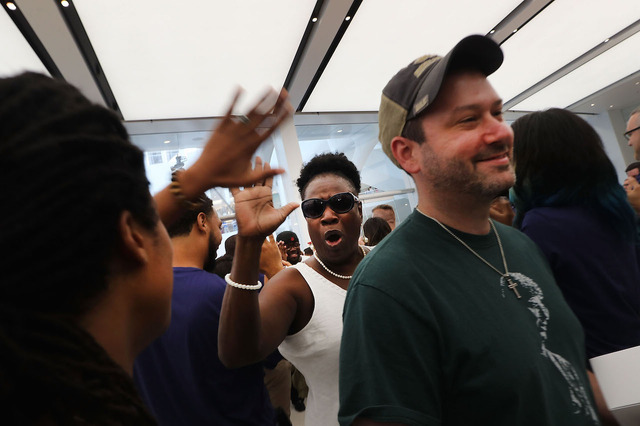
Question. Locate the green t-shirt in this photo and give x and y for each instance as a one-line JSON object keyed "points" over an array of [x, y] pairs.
{"points": [[432, 336]]}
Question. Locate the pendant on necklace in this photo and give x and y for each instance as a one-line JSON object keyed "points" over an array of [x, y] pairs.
{"points": [[512, 285]]}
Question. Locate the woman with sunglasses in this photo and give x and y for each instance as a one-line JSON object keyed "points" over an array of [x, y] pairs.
{"points": [[300, 309]]}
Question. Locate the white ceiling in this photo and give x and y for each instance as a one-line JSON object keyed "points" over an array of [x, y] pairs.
{"points": [[176, 61]]}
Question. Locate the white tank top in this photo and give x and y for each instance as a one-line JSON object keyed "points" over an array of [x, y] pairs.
{"points": [[315, 349]]}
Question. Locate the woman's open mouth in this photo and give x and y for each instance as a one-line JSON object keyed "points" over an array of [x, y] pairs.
{"points": [[333, 238]]}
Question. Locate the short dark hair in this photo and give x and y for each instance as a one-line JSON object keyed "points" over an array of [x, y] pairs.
{"points": [[71, 167], [560, 161], [383, 207], [375, 229], [184, 224], [329, 163], [634, 165], [413, 129]]}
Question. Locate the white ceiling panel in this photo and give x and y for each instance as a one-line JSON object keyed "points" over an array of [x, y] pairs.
{"points": [[16, 53], [385, 36], [562, 32], [167, 59], [614, 64]]}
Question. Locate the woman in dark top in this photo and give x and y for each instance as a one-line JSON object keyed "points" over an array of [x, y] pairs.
{"points": [[568, 200]]}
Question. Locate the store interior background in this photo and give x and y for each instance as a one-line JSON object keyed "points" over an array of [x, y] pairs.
{"points": [[169, 69]]}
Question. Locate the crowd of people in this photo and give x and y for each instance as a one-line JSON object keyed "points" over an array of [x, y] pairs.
{"points": [[483, 306]]}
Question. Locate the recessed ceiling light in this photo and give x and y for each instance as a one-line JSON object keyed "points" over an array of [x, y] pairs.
{"points": [[514, 31], [64, 3], [314, 20], [11, 6], [339, 130], [593, 105], [167, 141], [348, 18], [492, 31], [606, 40], [610, 106]]}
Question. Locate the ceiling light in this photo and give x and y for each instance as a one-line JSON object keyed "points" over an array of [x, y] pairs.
{"points": [[348, 18], [559, 34], [610, 106], [11, 6], [340, 131], [606, 41], [588, 78], [204, 87], [350, 84], [492, 31], [593, 105], [314, 20], [514, 31], [64, 3], [167, 141]]}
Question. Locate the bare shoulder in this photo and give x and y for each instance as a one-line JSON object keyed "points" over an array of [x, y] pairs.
{"points": [[294, 294]]}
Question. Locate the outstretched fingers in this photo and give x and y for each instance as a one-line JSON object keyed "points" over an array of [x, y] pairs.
{"points": [[236, 96]]}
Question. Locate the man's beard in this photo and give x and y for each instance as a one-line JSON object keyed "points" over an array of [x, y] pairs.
{"points": [[453, 175], [210, 262]]}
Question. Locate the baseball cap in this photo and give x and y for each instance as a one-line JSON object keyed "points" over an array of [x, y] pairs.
{"points": [[416, 86], [287, 237]]}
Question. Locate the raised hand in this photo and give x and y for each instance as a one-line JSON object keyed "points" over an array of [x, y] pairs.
{"points": [[283, 250], [255, 214], [632, 187], [270, 258], [226, 158]]}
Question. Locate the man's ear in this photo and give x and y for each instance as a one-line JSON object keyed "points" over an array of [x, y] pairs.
{"points": [[201, 222], [406, 153], [132, 242]]}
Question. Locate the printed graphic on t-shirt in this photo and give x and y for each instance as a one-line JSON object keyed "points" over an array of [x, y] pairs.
{"points": [[578, 393]]}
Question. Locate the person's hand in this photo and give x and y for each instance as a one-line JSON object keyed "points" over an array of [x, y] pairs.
{"points": [[226, 158], [632, 187], [270, 258], [255, 214], [283, 250]]}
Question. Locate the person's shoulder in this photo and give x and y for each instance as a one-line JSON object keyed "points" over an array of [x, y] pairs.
{"points": [[196, 278]]}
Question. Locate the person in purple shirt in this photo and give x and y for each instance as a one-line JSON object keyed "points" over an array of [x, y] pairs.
{"points": [[569, 201]]}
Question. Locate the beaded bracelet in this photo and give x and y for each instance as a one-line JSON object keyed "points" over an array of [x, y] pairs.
{"points": [[176, 190], [232, 283]]}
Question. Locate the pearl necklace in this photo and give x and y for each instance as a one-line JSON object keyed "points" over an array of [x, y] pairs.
{"points": [[344, 277]]}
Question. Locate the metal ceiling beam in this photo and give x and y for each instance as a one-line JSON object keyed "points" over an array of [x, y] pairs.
{"points": [[51, 30], [319, 48]]}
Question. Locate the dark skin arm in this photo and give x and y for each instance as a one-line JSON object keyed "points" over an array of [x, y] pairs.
{"points": [[226, 158], [253, 324]]}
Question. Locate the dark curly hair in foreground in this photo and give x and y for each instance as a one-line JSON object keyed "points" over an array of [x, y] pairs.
{"points": [[329, 163], [69, 172]]}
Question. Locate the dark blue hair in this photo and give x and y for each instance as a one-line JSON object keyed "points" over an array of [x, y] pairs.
{"points": [[560, 161]]}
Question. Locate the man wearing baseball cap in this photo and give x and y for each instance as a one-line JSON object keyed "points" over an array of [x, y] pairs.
{"points": [[290, 246], [474, 330]]}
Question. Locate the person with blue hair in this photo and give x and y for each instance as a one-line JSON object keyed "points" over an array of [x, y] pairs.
{"points": [[569, 201]]}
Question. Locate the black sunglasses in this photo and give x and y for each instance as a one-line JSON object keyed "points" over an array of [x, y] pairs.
{"points": [[343, 202], [627, 135]]}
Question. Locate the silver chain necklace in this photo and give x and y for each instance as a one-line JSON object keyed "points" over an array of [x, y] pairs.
{"points": [[512, 284], [344, 277]]}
